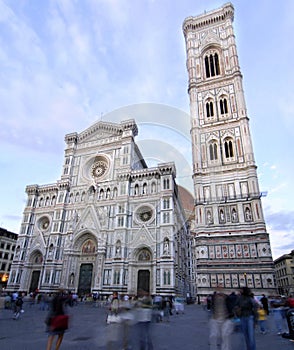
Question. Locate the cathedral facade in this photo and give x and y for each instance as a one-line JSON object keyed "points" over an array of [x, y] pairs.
{"points": [[231, 243], [109, 224]]}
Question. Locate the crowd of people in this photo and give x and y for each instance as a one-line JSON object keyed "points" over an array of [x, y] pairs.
{"points": [[246, 313], [128, 315]]}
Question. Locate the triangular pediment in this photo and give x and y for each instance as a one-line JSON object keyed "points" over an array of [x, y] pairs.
{"points": [[88, 220], [210, 39], [100, 130], [142, 238], [38, 243]]}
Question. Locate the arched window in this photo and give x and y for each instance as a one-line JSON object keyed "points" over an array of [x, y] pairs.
{"points": [[136, 190], [144, 188], [229, 153], [166, 184], [223, 105], [77, 197], [211, 62], [213, 151], [209, 109]]}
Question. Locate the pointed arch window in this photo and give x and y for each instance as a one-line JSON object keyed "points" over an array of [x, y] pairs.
{"points": [[223, 105], [211, 62], [136, 190], [144, 188], [209, 109], [229, 153], [213, 151]]}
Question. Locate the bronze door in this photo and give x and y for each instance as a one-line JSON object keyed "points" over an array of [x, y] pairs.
{"points": [[85, 279], [144, 280], [34, 281]]}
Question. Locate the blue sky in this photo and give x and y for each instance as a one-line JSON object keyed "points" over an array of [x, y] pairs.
{"points": [[66, 64]]}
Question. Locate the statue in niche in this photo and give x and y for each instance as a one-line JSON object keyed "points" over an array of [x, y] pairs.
{"points": [[118, 249], [74, 220], [234, 216], [71, 279], [221, 216], [248, 216], [166, 246], [209, 217]]}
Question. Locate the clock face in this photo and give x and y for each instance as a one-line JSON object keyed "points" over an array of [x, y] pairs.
{"points": [[99, 168]]}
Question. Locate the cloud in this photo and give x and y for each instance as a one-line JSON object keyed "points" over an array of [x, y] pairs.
{"points": [[281, 221], [280, 226]]}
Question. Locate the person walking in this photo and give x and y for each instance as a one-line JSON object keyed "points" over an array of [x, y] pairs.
{"points": [[221, 325], [17, 307], [246, 309], [264, 302], [262, 315], [113, 320], [56, 321], [144, 315]]}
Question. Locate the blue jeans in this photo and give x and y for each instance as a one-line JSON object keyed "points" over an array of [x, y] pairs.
{"points": [[247, 327]]}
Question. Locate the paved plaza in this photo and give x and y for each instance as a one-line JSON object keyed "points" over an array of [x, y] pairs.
{"points": [[88, 330]]}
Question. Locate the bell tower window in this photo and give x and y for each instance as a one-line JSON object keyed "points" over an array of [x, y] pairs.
{"points": [[223, 105], [229, 148], [209, 109], [213, 151], [211, 62]]}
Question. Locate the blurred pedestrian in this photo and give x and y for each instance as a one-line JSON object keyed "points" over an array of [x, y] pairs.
{"points": [[144, 316], [56, 321], [221, 326], [264, 302], [247, 311], [278, 310], [262, 316], [113, 322], [17, 307]]}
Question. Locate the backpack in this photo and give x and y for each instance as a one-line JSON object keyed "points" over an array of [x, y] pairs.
{"points": [[18, 302]]}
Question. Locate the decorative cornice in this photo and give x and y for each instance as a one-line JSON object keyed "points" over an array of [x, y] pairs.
{"points": [[209, 18]]}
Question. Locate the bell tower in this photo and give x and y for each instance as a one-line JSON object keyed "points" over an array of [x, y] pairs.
{"points": [[232, 245]]}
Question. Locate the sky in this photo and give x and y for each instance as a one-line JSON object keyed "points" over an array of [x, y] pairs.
{"points": [[66, 64]]}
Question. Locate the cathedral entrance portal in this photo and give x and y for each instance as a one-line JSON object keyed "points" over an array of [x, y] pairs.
{"points": [[34, 281], [144, 280], [85, 279]]}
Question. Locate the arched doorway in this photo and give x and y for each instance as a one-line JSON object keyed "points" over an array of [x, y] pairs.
{"points": [[37, 260], [88, 250], [143, 280], [144, 266]]}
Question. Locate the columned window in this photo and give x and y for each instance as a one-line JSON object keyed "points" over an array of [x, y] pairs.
{"points": [[209, 109], [229, 153], [223, 105], [211, 62], [213, 151]]}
